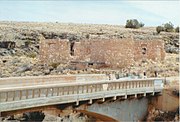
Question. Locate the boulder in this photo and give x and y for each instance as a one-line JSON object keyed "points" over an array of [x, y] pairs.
{"points": [[51, 118], [25, 67]]}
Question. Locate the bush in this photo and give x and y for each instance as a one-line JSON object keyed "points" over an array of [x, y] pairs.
{"points": [[141, 24], [27, 43], [177, 30], [54, 65], [133, 23], [169, 27], [32, 55], [159, 29]]}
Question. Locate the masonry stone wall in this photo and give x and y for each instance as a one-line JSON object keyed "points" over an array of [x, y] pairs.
{"points": [[54, 50], [115, 53], [112, 53], [149, 49], [82, 50]]}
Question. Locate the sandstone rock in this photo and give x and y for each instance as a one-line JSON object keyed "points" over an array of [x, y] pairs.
{"points": [[52, 118], [37, 73], [46, 72], [156, 113], [18, 116], [53, 72], [25, 67], [60, 68], [153, 110]]}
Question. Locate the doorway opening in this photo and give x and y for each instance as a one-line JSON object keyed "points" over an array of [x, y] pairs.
{"points": [[72, 48]]}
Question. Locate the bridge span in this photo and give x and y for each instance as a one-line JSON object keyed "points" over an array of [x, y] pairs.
{"points": [[30, 92]]}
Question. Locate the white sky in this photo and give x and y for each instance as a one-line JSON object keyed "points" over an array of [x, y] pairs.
{"points": [[152, 13]]}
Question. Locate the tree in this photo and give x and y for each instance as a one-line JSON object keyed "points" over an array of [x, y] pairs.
{"points": [[133, 23], [159, 29], [177, 29], [168, 27], [141, 24]]}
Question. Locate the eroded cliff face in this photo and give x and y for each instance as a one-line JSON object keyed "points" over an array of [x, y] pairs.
{"points": [[166, 106], [160, 115]]}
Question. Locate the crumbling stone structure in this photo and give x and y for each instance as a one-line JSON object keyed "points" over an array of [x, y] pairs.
{"points": [[112, 53]]}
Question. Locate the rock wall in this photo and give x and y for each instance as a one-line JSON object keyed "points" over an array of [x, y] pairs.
{"points": [[53, 51], [151, 49], [115, 53], [112, 53]]}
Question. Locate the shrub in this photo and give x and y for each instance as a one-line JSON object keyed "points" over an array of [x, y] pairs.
{"points": [[159, 29], [32, 55], [54, 65], [168, 27], [27, 43], [177, 29], [133, 23], [87, 36], [141, 24]]}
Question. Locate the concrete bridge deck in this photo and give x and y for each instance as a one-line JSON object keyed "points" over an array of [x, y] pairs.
{"points": [[44, 93]]}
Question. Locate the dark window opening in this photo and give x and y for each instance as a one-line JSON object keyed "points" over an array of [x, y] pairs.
{"points": [[144, 51], [72, 48], [90, 64]]}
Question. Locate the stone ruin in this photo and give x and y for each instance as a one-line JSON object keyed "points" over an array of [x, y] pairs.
{"points": [[100, 53]]}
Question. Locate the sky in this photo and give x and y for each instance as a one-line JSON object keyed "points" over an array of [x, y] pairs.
{"points": [[151, 13]]}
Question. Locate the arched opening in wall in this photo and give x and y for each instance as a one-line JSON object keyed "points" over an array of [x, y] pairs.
{"points": [[72, 48], [144, 50]]}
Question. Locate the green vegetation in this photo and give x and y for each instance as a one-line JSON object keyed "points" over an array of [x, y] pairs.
{"points": [[167, 27], [159, 29], [32, 55], [27, 43], [177, 29], [54, 65], [133, 23]]}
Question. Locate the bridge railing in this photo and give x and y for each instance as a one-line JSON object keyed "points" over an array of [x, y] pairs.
{"points": [[39, 80], [64, 89]]}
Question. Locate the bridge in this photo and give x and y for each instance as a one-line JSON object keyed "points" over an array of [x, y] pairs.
{"points": [[31, 92]]}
